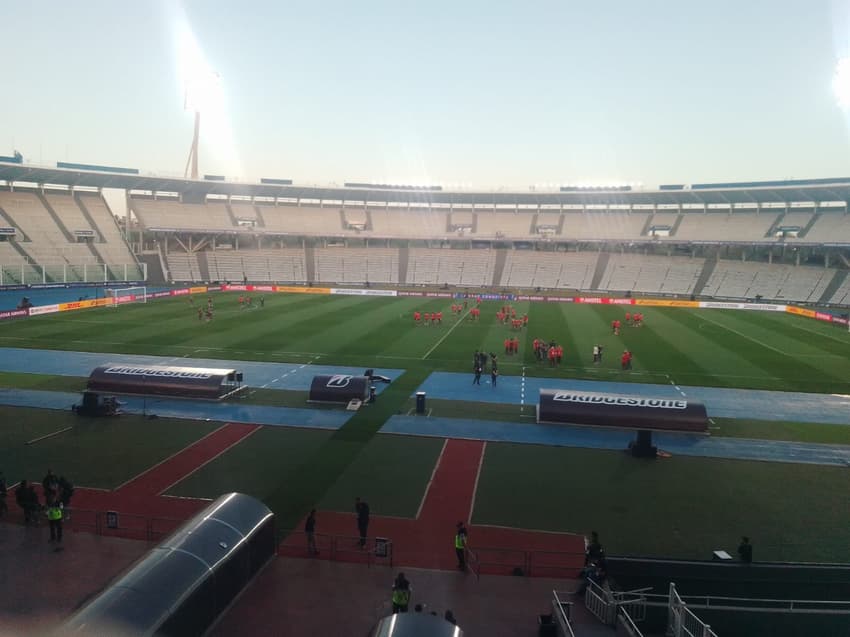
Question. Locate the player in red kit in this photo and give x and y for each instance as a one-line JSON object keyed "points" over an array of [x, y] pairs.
{"points": [[417, 316]]}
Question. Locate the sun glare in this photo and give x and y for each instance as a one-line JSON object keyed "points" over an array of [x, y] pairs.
{"points": [[841, 83]]}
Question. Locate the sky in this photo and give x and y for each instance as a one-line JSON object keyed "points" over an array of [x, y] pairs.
{"points": [[470, 93]]}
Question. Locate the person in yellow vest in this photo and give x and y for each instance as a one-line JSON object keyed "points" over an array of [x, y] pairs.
{"points": [[460, 546], [54, 517], [401, 594]]}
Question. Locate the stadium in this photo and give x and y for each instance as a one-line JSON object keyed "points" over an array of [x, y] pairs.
{"points": [[316, 402], [741, 287]]}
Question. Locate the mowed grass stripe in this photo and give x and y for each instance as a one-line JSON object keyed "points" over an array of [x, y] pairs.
{"points": [[687, 354], [96, 452], [677, 507], [254, 466], [783, 371], [391, 473], [782, 327]]}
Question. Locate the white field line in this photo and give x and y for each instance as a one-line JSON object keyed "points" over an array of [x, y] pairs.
{"points": [[431, 479], [164, 460], [446, 335], [749, 338], [475, 488], [203, 464]]}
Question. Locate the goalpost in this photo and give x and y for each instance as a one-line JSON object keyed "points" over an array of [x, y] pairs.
{"points": [[121, 296]]}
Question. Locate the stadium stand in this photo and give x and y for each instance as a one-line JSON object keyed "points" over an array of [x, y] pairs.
{"points": [[549, 270], [652, 275], [779, 282], [183, 267], [46, 243], [505, 224], [603, 225], [114, 248], [171, 214], [304, 220], [356, 265], [842, 295], [470, 268], [723, 226], [829, 227], [424, 223]]}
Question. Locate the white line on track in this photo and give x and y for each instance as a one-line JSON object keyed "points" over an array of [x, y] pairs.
{"points": [[203, 464], [431, 479], [164, 460], [446, 335], [475, 488]]}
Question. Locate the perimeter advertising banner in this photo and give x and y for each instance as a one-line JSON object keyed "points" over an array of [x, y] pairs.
{"points": [[620, 410], [763, 307], [665, 303], [198, 290], [10, 314], [799, 311], [81, 305], [363, 292], [43, 309]]}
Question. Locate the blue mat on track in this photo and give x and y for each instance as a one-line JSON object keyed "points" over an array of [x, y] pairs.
{"points": [[615, 439], [719, 402], [188, 409], [290, 376]]}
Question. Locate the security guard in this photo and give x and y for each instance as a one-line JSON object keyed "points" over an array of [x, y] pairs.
{"points": [[401, 594], [460, 546], [54, 516]]}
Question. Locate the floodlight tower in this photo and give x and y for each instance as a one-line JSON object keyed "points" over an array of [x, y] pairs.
{"points": [[200, 93], [193, 150]]}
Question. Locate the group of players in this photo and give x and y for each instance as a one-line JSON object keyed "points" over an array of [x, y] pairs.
{"points": [[204, 313], [635, 320], [427, 318], [551, 351], [246, 302]]}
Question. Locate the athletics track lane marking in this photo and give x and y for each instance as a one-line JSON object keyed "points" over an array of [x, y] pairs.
{"points": [[475, 487], [431, 479], [446, 335], [206, 462], [172, 456]]}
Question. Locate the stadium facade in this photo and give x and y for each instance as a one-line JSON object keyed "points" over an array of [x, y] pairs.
{"points": [[785, 241]]}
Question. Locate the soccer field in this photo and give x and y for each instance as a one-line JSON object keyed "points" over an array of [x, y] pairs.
{"points": [[679, 346]]}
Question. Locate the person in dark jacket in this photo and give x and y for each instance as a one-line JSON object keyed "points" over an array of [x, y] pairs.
{"points": [[362, 510]]}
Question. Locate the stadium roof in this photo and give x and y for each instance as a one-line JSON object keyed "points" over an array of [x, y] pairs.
{"points": [[815, 190]]}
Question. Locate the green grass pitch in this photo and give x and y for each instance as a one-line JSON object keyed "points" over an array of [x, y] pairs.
{"points": [[694, 503]]}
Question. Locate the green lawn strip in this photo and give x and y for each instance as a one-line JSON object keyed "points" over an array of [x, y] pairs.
{"points": [[793, 431], [320, 471], [96, 452], [677, 507], [391, 473], [256, 465], [44, 382]]}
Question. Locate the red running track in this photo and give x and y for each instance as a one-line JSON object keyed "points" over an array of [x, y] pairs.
{"points": [[428, 540], [141, 499]]}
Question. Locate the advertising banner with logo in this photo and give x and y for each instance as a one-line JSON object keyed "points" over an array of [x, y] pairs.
{"points": [[722, 305], [183, 382], [338, 388], [10, 314], [44, 309], [665, 303], [363, 292], [620, 410]]}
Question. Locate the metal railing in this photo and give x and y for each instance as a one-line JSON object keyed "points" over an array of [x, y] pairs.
{"points": [[600, 602], [119, 524], [340, 548], [506, 561], [628, 623], [563, 613], [29, 273], [681, 621]]}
